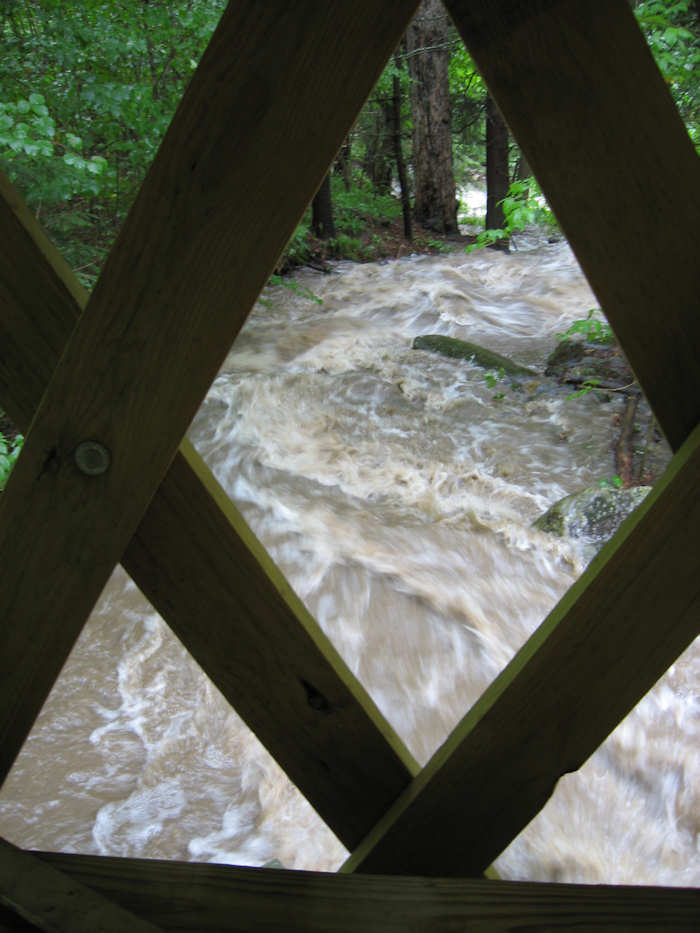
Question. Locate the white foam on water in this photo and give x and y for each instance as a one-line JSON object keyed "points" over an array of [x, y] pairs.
{"points": [[396, 491]]}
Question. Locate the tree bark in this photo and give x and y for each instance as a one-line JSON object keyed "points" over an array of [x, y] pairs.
{"points": [[378, 157], [342, 162], [322, 211], [428, 60], [400, 165], [497, 181]]}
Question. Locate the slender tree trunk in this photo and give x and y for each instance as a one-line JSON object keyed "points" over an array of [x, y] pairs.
{"points": [[428, 61], [322, 211], [497, 181], [342, 163], [379, 155], [522, 169], [400, 166]]}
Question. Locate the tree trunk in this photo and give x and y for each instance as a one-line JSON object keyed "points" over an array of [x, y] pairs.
{"points": [[497, 181], [378, 157], [522, 168], [428, 60], [322, 211], [400, 166], [342, 162]]}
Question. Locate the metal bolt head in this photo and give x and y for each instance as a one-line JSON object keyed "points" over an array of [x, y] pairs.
{"points": [[92, 458]]}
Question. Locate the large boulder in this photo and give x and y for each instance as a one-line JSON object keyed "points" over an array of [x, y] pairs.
{"points": [[594, 513], [463, 350]]}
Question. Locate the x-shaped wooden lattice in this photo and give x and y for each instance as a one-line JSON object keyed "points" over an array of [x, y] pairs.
{"points": [[273, 98]]}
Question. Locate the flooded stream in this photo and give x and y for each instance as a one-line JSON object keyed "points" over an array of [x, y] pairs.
{"points": [[396, 490]]}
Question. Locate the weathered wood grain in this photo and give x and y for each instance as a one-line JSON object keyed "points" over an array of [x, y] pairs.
{"points": [[232, 608], [585, 101], [203, 898], [53, 901], [208, 576], [37, 312], [617, 630], [274, 95]]}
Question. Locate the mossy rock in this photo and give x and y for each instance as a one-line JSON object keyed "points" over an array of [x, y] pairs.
{"points": [[575, 361], [594, 513], [463, 350], [564, 354]]}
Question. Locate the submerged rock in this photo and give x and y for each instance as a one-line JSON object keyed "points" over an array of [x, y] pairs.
{"points": [[595, 512], [575, 362], [463, 350], [564, 354]]}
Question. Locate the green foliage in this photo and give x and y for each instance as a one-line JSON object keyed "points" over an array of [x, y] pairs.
{"points": [[355, 212], [589, 385], [298, 251], [352, 209], [88, 89], [523, 206], [491, 377], [345, 246], [671, 30], [438, 245], [49, 161], [293, 286], [468, 96], [594, 328], [612, 481], [9, 451]]}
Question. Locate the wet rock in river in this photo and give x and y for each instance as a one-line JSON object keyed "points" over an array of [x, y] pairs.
{"points": [[576, 362], [463, 350], [564, 354], [595, 512]]}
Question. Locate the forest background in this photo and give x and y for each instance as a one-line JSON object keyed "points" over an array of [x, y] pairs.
{"points": [[88, 88]]}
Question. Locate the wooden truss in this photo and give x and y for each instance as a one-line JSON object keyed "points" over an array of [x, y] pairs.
{"points": [[273, 98]]}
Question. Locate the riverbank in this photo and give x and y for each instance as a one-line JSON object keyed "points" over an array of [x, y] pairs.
{"points": [[368, 228]]}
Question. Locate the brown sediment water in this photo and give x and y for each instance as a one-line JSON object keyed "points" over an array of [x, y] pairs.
{"points": [[396, 490]]}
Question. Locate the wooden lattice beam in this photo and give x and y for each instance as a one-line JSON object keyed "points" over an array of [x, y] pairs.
{"points": [[585, 100], [208, 576], [582, 95], [48, 899], [208, 898], [617, 630], [249, 144]]}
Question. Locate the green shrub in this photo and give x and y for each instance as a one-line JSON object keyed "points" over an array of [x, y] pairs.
{"points": [[594, 328], [523, 206], [9, 451]]}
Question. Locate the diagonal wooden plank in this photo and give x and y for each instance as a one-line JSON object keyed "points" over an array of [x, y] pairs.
{"points": [[617, 630], [243, 623], [584, 99], [274, 95], [40, 298], [53, 901], [208, 898], [574, 123], [202, 568]]}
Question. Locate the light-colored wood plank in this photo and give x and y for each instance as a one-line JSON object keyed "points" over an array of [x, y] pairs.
{"points": [[52, 901], [617, 630], [208, 576], [270, 103], [202, 898], [585, 101]]}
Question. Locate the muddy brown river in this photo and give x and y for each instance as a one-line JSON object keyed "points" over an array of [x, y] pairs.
{"points": [[396, 490]]}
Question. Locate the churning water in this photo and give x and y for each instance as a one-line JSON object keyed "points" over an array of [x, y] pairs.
{"points": [[396, 490]]}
